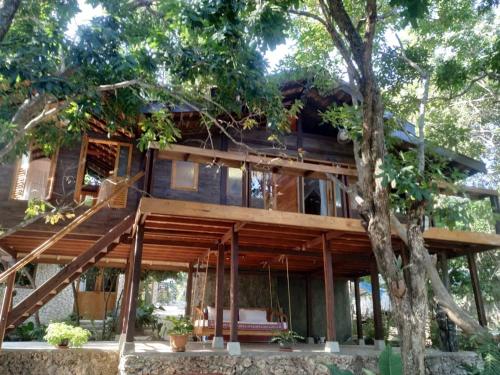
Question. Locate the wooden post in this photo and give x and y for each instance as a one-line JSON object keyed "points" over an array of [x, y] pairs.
{"points": [[134, 287], [126, 290], [234, 286], [309, 305], [377, 308], [359, 319], [246, 188], [223, 173], [478, 298], [189, 291], [332, 345], [447, 329], [218, 341], [6, 305]]}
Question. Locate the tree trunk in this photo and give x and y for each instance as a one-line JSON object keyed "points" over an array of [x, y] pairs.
{"points": [[8, 9]]}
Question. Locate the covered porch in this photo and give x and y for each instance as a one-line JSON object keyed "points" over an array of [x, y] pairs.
{"points": [[241, 239]]}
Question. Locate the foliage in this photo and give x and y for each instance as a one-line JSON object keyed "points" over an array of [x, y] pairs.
{"points": [[58, 333], [490, 352], [30, 332], [38, 207], [286, 337], [144, 316], [389, 363], [179, 326]]}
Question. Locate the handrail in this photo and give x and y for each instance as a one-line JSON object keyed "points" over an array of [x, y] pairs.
{"points": [[67, 229]]}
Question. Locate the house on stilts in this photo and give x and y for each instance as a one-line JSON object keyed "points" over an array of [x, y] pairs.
{"points": [[273, 240]]}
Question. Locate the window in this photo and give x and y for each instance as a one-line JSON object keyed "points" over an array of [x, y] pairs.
{"points": [[104, 164], [234, 186], [33, 176], [184, 175]]}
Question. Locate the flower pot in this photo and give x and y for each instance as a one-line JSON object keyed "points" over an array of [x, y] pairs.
{"points": [[286, 347], [64, 344], [178, 343]]}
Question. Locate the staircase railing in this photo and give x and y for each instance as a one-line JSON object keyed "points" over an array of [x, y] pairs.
{"points": [[67, 229]]}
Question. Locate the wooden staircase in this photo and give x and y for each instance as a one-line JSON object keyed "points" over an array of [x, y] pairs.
{"points": [[48, 290]]}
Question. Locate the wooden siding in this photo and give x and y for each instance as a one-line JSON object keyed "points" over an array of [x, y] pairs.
{"points": [[208, 184]]}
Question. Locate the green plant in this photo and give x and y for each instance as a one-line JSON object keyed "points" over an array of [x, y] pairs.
{"points": [[30, 332], [62, 333], [287, 337], [389, 363], [490, 352], [180, 325], [144, 316]]}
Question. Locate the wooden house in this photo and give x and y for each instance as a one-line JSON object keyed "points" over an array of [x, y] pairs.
{"points": [[264, 210]]}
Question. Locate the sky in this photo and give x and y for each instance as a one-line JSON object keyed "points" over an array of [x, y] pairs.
{"points": [[87, 12]]}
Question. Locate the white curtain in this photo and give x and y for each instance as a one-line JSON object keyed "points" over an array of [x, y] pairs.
{"points": [[37, 179]]}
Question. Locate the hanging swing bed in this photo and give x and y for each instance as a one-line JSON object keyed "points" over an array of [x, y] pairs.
{"points": [[254, 324]]}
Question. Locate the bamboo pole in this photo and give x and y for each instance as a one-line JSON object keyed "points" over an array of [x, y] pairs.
{"points": [[67, 229]]}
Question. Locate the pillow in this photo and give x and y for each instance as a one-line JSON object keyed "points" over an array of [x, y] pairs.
{"points": [[211, 313], [253, 316], [226, 314]]}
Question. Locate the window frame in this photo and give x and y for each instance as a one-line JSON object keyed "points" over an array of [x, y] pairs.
{"points": [[50, 181], [173, 176]]}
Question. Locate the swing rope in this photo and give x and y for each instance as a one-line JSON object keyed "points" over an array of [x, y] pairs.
{"points": [[270, 286]]}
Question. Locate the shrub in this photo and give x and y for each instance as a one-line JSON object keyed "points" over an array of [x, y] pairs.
{"points": [[62, 333], [179, 326]]}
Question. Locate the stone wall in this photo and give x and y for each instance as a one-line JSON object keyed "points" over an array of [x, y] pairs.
{"points": [[56, 309], [59, 362], [437, 363]]}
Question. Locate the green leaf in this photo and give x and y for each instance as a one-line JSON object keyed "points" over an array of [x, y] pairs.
{"points": [[390, 363], [334, 370]]}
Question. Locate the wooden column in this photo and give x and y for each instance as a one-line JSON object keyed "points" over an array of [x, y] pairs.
{"points": [[359, 319], [328, 274], [223, 173], [234, 286], [189, 291], [219, 291], [377, 308], [134, 287], [447, 329], [6, 305], [309, 305], [246, 186], [126, 289], [478, 298]]}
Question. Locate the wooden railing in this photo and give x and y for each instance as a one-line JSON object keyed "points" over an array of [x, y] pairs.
{"points": [[67, 229]]}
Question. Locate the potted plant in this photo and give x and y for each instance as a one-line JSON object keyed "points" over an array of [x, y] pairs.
{"points": [[286, 340], [179, 329], [63, 335]]}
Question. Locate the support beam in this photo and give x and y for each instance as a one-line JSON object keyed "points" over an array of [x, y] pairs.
{"points": [[377, 308], [478, 298], [309, 306], [233, 345], [134, 288], [447, 329], [189, 291], [6, 306], [331, 344], [126, 290], [359, 318], [218, 341]]}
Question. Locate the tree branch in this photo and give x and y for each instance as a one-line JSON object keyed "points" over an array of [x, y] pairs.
{"points": [[8, 9]]}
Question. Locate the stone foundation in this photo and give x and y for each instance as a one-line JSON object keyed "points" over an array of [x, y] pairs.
{"points": [[59, 362], [437, 363], [107, 362]]}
